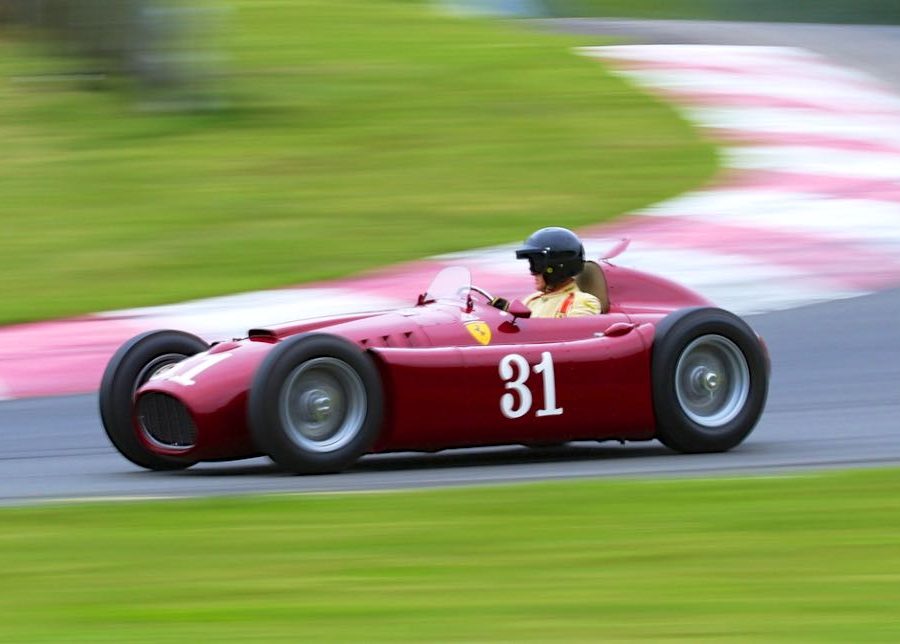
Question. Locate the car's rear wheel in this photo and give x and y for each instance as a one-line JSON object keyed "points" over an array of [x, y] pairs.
{"points": [[710, 380], [130, 367], [315, 404]]}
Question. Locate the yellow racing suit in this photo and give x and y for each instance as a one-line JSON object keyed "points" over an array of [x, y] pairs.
{"points": [[568, 301]]}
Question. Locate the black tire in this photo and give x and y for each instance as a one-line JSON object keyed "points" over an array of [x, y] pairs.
{"points": [[130, 367], [316, 404], [710, 378]]}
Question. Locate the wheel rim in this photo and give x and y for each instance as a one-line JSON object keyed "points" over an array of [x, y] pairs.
{"points": [[323, 404], [712, 381], [154, 367]]}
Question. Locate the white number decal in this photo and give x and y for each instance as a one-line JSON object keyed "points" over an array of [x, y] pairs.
{"points": [[514, 371], [187, 378], [545, 368], [507, 401]]}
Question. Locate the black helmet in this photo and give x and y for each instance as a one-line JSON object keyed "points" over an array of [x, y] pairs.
{"points": [[555, 253]]}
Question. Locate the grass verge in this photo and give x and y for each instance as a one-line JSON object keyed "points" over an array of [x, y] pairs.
{"points": [[359, 133], [813, 557]]}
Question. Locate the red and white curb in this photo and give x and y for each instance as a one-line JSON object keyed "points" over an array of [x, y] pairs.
{"points": [[811, 182], [807, 209]]}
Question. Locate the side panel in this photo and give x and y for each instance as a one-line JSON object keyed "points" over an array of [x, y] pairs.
{"points": [[450, 397]]}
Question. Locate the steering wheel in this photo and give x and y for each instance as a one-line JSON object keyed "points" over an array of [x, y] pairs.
{"points": [[496, 302], [490, 298]]}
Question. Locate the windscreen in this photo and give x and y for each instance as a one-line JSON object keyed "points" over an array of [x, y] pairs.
{"points": [[450, 285]]}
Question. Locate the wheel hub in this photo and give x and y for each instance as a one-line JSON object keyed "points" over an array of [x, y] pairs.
{"points": [[317, 405], [705, 379]]}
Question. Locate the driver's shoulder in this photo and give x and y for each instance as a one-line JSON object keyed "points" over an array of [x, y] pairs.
{"points": [[531, 298], [587, 302]]}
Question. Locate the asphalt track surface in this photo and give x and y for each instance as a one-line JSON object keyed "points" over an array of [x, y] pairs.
{"points": [[834, 398]]}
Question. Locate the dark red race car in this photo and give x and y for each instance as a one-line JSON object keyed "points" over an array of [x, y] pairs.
{"points": [[451, 371]]}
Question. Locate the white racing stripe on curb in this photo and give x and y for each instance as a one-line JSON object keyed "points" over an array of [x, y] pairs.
{"points": [[751, 62], [871, 222], [233, 315], [740, 284], [738, 56], [873, 128], [812, 160], [497, 259], [833, 94]]}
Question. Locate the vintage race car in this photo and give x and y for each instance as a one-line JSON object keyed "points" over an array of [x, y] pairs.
{"points": [[450, 371]]}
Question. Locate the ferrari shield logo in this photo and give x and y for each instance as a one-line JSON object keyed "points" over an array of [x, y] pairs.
{"points": [[480, 331]]}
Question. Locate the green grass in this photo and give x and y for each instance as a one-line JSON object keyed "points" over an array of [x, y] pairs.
{"points": [[833, 11], [359, 133], [805, 558]]}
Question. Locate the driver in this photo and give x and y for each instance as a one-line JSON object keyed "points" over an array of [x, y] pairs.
{"points": [[555, 256]]}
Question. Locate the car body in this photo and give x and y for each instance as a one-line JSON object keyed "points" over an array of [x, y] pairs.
{"points": [[449, 371]]}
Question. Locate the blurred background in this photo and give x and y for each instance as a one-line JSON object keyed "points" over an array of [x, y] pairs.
{"points": [[165, 49], [155, 152], [158, 151]]}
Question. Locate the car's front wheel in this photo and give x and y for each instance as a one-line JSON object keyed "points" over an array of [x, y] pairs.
{"points": [[131, 366], [710, 380], [315, 404]]}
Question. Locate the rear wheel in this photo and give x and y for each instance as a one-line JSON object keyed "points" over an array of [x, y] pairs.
{"points": [[315, 404], [710, 380], [130, 367]]}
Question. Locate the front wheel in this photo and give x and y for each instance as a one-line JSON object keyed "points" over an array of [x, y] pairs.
{"points": [[710, 380], [315, 404], [129, 368]]}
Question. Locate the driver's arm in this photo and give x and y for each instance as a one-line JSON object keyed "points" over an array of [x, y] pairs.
{"points": [[500, 303], [584, 304]]}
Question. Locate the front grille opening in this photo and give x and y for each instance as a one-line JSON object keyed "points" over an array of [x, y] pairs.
{"points": [[165, 420]]}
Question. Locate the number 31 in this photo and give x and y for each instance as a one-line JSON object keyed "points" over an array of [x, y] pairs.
{"points": [[514, 371]]}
